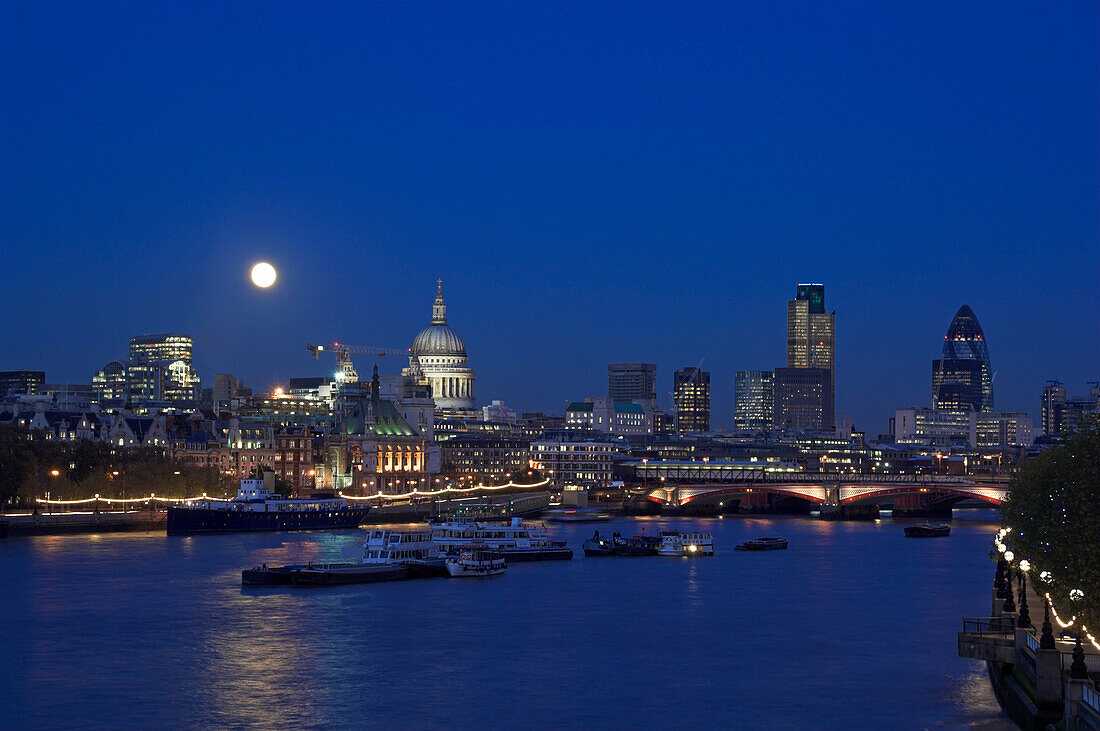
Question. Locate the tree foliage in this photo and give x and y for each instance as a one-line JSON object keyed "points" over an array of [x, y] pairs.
{"points": [[85, 469], [1053, 510]]}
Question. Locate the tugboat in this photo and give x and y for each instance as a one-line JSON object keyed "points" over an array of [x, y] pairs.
{"points": [[675, 543], [597, 546], [476, 561], [637, 546], [928, 530], [771, 543], [257, 508]]}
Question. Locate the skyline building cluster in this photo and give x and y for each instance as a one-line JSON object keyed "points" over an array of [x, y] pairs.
{"points": [[798, 396]]}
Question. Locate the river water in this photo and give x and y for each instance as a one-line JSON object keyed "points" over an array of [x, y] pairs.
{"points": [[852, 627]]}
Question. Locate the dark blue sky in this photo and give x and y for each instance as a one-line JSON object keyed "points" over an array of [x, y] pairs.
{"points": [[594, 182]]}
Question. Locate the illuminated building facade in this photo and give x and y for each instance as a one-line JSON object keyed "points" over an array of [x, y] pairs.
{"points": [[605, 415], [962, 378], [754, 399], [568, 462], [691, 397], [168, 347]]}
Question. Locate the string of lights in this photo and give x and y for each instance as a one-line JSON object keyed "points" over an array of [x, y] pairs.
{"points": [[1026, 565], [385, 496], [430, 493]]}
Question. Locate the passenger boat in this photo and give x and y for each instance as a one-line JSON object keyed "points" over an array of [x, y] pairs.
{"points": [[576, 515], [476, 561], [256, 508], [518, 540], [675, 543], [771, 543], [412, 549], [928, 530]]}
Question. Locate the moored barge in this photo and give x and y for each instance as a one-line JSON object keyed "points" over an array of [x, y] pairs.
{"points": [[256, 508]]}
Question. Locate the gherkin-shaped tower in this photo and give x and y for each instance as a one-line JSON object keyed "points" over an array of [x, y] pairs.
{"points": [[962, 378]]}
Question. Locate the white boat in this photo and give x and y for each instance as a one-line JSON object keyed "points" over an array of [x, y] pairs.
{"points": [[476, 561], [676, 543], [518, 540], [395, 546]]}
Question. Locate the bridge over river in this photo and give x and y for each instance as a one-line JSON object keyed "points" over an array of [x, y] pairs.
{"points": [[696, 484]]}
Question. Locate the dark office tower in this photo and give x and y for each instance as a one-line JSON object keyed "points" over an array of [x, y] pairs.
{"points": [[964, 366], [1054, 399], [803, 398], [753, 399], [691, 394], [811, 336], [24, 382], [630, 381]]}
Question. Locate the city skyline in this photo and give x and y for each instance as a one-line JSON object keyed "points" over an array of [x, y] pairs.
{"points": [[575, 224]]}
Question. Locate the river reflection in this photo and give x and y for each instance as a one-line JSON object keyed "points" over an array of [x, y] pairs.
{"points": [[853, 626]]}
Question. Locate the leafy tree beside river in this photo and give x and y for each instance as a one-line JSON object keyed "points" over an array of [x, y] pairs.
{"points": [[85, 468], [1053, 510]]}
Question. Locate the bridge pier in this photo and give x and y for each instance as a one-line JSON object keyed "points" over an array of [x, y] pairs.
{"points": [[921, 506]]}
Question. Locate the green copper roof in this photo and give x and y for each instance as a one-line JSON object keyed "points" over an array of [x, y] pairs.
{"points": [[388, 421], [580, 406]]}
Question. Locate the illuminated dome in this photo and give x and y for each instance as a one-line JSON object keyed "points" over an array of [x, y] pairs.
{"points": [[438, 340], [440, 358]]}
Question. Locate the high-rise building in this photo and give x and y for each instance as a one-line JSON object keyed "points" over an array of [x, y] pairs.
{"points": [[23, 382], [166, 346], [691, 395], [962, 377], [753, 399], [811, 339], [810, 330], [1054, 397], [161, 365], [632, 381], [803, 398]]}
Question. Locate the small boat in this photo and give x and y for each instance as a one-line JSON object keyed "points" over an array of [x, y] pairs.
{"points": [[675, 543], [597, 546], [476, 561], [928, 530], [576, 515], [770, 543]]}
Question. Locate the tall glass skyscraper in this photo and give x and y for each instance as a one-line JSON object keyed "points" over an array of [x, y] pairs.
{"points": [[811, 339], [962, 378]]}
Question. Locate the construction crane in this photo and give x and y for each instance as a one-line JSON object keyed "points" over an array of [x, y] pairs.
{"points": [[343, 351]]}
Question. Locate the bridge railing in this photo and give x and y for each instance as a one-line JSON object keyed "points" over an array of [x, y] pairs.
{"points": [[992, 626]]}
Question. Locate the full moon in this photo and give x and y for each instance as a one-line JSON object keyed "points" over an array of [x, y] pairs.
{"points": [[263, 275]]}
